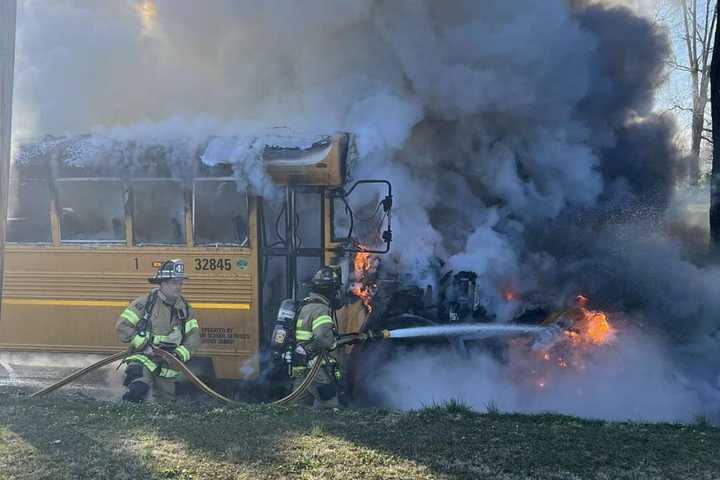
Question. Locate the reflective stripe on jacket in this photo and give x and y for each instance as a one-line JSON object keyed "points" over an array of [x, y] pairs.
{"points": [[164, 325], [315, 328]]}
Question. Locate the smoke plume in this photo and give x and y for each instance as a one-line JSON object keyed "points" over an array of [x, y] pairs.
{"points": [[519, 137]]}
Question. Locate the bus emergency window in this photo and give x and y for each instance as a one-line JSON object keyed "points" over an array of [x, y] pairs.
{"points": [[29, 211], [91, 210], [220, 213], [158, 212]]}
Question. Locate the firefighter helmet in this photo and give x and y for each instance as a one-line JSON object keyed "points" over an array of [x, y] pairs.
{"points": [[327, 279], [169, 270]]}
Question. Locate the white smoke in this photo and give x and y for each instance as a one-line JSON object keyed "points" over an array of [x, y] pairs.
{"points": [[629, 380], [377, 69]]}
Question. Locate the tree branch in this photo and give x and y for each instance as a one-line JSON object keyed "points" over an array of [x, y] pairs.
{"points": [[705, 76], [677, 66], [694, 33], [707, 17], [686, 21], [708, 34], [679, 108]]}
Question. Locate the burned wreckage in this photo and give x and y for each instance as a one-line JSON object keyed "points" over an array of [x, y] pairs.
{"points": [[548, 334]]}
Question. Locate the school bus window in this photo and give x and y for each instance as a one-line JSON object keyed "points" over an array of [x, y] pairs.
{"points": [[220, 213], [273, 228], [158, 212], [91, 210], [29, 211], [308, 206]]}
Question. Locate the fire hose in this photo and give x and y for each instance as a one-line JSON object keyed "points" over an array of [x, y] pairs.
{"points": [[346, 339], [80, 373], [174, 362]]}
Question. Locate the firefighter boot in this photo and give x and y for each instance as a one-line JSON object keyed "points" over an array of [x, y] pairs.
{"points": [[136, 392]]}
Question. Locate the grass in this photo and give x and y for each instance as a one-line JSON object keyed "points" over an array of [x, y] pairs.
{"points": [[67, 437]]}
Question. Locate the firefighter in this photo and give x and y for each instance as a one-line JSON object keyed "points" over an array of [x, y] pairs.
{"points": [[160, 319], [316, 331]]}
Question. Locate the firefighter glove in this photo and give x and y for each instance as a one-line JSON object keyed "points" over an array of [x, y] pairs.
{"points": [[141, 343], [299, 356]]}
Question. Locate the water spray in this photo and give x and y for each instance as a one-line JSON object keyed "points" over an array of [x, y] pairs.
{"points": [[544, 336]]}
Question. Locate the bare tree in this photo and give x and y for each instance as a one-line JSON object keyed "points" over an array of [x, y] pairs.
{"points": [[699, 33]]}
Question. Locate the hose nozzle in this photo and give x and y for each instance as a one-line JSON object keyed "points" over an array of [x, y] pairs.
{"points": [[377, 334], [362, 337]]}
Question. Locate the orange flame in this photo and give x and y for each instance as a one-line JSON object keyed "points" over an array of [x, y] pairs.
{"points": [[598, 330], [588, 329], [363, 266], [592, 327], [509, 295]]}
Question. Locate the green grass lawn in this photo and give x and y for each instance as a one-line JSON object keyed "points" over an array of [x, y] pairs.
{"points": [[62, 436]]}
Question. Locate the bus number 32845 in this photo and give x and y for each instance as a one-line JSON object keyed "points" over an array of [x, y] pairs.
{"points": [[213, 264]]}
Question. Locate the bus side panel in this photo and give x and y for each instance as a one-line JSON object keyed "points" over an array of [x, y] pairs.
{"points": [[66, 299]]}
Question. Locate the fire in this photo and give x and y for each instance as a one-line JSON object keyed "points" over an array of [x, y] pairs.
{"points": [[585, 330], [591, 327], [509, 295], [598, 329], [363, 287]]}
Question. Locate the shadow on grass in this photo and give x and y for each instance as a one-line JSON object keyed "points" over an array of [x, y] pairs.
{"points": [[105, 440], [448, 440], [453, 440], [71, 444]]}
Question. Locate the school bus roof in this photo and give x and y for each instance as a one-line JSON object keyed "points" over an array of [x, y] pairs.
{"points": [[299, 160]]}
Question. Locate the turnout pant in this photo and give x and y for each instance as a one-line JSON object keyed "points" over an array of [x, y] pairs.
{"points": [[324, 389], [141, 383]]}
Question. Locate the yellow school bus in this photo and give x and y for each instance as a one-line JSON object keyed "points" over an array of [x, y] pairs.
{"points": [[90, 219]]}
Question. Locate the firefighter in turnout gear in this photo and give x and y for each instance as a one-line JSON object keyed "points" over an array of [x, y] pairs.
{"points": [[160, 319], [315, 331]]}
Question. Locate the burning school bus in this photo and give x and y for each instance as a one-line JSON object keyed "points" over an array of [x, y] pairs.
{"points": [[90, 219]]}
